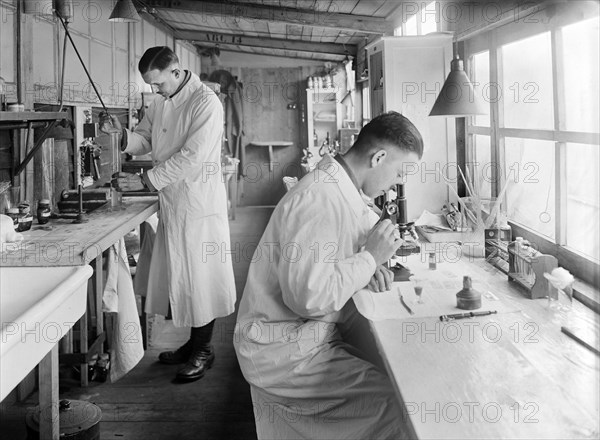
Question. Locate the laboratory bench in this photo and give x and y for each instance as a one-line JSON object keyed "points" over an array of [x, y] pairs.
{"points": [[511, 374], [62, 242]]}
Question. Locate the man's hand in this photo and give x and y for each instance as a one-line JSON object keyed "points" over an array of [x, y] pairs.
{"points": [[383, 241], [127, 182], [109, 123], [381, 280]]}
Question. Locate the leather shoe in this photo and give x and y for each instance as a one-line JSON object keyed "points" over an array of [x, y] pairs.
{"points": [[196, 366], [179, 356]]}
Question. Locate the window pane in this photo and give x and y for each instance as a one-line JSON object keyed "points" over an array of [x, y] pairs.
{"points": [[583, 199], [428, 19], [483, 158], [481, 79], [529, 171], [527, 94], [411, 25], [581, 58]]}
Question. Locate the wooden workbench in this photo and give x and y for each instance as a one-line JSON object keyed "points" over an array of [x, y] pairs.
{"points": [[509, 375], [64, 243]]}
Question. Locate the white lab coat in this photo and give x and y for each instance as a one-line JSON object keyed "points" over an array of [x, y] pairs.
{"points": [[306, 380], [191, 264]]}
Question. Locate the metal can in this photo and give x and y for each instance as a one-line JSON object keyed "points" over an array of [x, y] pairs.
{"points": [[25, 217]]}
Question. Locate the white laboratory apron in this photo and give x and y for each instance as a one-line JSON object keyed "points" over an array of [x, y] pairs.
{"points": [[191, 263], [306, 380]]}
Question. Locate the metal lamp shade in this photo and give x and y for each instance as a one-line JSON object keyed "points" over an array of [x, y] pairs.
{"points": [[457, 97], [125, 12]]}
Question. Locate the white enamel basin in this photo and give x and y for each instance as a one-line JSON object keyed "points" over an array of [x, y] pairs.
{"points": [[38, 305]]}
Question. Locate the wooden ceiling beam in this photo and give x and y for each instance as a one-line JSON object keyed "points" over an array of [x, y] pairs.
{"points": [[253, 12], [220, 39], [297, 54]]}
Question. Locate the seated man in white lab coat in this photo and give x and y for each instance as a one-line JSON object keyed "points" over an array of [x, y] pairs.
{"points": [[319, 248]]}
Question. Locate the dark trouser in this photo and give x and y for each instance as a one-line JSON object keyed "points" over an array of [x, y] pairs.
{"points": [[201, 337]]}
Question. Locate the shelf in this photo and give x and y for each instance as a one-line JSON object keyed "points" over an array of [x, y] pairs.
{"points": [[31, 116], [325, 90], [29, 121], [324, 120]]}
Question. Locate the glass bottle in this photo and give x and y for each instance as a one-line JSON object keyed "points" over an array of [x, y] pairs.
{"points": [[43, 211]]}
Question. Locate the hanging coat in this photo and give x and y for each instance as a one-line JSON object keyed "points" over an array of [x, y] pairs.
{"points": [[191, 263], [306, 381]]}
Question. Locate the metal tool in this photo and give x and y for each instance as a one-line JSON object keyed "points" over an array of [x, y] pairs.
{"points": [[408, 309], [466, 315]]}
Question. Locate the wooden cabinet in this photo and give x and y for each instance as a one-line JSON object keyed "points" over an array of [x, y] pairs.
{"points": [[405, 75], [324, 112]]}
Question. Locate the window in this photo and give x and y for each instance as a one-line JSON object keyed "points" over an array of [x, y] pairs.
{"points": [[480, 76], [580, 65], [411, 26], [419, 22], [543, 130], [484, 169], [583, 198], [527, 91], [529, 172], [429, 19]]}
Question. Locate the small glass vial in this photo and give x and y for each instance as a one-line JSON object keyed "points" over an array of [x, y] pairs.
{"points": [[43, 211], [14, 214], [432, 261]]}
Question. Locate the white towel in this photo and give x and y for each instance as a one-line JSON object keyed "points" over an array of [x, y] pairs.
{"points": [[126, 348], [140, 282]]}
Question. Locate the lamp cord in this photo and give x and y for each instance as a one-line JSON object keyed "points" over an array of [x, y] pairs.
{"points": [[62, 74], [81, 60]]}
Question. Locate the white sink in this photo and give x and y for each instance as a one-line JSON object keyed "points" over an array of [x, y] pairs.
{"points": [[38, 305]]}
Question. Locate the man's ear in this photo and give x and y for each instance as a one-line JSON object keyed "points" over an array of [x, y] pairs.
{"points": [[378, 157]]}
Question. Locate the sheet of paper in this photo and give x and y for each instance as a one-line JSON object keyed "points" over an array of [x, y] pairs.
{"points": [[438, 297]]}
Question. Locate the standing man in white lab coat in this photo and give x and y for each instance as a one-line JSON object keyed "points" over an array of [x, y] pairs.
{"points": [[191, 267], [319, 248]]}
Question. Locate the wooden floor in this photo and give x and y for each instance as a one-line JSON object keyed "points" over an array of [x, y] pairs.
{"points": [[147, 404]]}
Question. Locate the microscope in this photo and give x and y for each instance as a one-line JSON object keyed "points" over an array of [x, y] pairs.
{"points": [[395, 210]]}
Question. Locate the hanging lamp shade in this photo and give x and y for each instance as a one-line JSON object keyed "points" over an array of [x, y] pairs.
{"points": [[457, 97], [124, 12]]}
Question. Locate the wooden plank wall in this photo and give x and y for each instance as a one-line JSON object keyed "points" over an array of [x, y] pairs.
{"points": [[267, 93]]}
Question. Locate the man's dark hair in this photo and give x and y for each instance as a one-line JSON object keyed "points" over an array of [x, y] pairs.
{"points": [[391, 128], [158, 57]]}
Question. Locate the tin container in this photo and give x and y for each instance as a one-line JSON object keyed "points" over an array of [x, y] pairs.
{"points": [[78, 420], [25, 217]]}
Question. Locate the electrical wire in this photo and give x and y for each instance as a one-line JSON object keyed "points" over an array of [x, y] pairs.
{"points": [[62, 74], [63, 22]]}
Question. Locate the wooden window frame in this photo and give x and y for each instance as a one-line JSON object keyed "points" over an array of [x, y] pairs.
{"points": [[581, 266]]}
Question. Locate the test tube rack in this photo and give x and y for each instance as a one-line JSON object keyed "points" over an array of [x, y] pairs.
{"points": [[526, 267]]}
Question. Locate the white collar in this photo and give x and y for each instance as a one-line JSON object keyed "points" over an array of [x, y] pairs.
{"points": [[353, 196]]}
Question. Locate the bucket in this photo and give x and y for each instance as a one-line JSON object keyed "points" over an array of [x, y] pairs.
{"points": [[78, 420]]}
